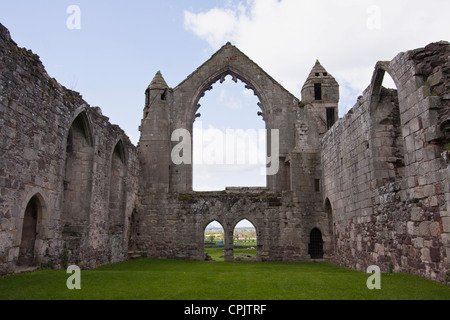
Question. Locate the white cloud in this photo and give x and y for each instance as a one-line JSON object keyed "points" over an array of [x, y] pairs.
{"points": [[285, 37], [227, 158]]}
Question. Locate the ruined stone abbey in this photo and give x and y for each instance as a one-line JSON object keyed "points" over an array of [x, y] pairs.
{"points": [[371, 188]]}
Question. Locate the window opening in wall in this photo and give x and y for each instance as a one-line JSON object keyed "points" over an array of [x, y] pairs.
{"points": [[331, 227], [386, 130], [69, 147], [317, 91], [330, 117], [229, 138], [315, 247], [317, 185], [244, 241], [214, 238]]}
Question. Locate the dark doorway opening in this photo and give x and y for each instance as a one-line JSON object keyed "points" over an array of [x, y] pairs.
{"points": [[315, 248], [331, 119], [26, 250]]}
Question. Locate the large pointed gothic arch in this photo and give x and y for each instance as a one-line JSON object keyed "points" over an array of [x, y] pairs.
{"points": [[278, 108], [236, 75]]}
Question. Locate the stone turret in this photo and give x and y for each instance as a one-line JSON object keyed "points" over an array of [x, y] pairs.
{"points": [[156, 89], [321, 90], [154, 143]]}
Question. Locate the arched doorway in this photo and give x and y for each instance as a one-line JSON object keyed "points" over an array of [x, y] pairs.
{"points": [[315, 247], [33, 212], [214, 241], [245, 242]]}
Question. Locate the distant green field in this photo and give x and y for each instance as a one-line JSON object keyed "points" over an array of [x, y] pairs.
{"points": [[216, 252], [200, 280]]}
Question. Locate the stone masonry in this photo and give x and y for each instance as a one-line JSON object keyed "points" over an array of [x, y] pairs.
{"points": [[59, 154], [386, 169], [373, 187]]}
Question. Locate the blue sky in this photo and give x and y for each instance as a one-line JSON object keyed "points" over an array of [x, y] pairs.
{"points": [[120, 46]]}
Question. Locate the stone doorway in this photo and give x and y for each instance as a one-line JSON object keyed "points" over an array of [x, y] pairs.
{"points": [[29, 233], [315, 248], [214, 242], [245, 241]]}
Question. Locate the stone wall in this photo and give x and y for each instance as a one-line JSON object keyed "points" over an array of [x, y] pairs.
{"points": [[376, 184], [388, 180], [284, 230], [58, 151], [173, 225]]}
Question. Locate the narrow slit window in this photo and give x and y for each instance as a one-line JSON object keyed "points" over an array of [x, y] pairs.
{"points": [[330, 117], [318, 91], [317, 185]]}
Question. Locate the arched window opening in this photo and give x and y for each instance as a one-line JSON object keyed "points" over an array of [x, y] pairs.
{"points": [[315, 247], [387, 140], [229, 138], [77, 179], [330, 249], [29, 232], [245, 242], [329, 212], [214, 239], [117, 190]]}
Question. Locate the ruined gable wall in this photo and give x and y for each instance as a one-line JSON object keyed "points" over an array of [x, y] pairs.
{"points": [[36, 113], [398, 222]]}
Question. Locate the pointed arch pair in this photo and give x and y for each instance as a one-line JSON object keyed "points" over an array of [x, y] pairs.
{"points": [[228, 241]]}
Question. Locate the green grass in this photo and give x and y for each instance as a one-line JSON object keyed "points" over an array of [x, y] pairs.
{"points": [[199, 280], [216, 252]]}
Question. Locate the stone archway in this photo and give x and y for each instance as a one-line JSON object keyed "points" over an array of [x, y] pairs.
{"points": [[386, 138], [214, 241], [33, 213], [77, 179], [229, 138], [245, 241], [315, 247], [276, 103]]}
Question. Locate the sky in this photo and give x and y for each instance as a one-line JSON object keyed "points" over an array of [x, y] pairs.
{"points": [[109, 51]]}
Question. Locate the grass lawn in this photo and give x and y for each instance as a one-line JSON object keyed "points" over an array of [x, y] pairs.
{"points": [[216, 252], [200, 280]]}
